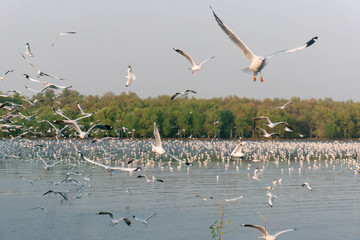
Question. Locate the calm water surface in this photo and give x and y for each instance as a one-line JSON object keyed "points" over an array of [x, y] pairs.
{"points": [[330, 211]]}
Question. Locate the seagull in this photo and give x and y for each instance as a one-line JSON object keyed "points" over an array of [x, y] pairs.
{"points": [[56, 192], [185, 93], [194, 67], [28, 51], [41, 73], [115, 221], [204, 198], [179, 160], [8, 71], [28, 118], [271, 198], [130, 77], [81, 133], [238, 151], [109, 168], [42, 208], [288, 127], [58, 132], [153, 179], [210, 145], [283, 106], [61, 35], [144, 221], [36, 101], [306, 184], [256, 175], [36, 91], [270, 124], [47, 166], [234, 199], [267, 135], [257, 63], [47, 84], [265, 234], [158, 147], [83, 113]]}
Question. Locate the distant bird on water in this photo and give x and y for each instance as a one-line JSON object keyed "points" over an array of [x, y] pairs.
{"points": [[61, 35], [185, 93], [130, 77], [115, 221], [194, 67], [257, 63]]}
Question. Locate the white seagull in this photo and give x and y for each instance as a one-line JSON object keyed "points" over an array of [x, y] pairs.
{"points": [[83, 113], [153, 179], [130, 77], [61, 35], [271, 198], [283, 106], [265, 234], [28, 51], [257, 63], [144, 221], [211, 144], [157, 148], [56, 192], [81, 133], [46, 84], [270, 124], [234, 199], [238, 151], [109, 168], [194, 67], [8, 71], [267, 135], [306, 184], [185, 93], [115, 221], [40, 72], [47, 166], [256, 175]]}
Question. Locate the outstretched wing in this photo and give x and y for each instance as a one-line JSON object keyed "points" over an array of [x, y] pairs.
{"points": [[307, 44], [260, 228], [188, 57], [150, 217], [175, 95], [157, 136], [206, 60], [284, 231], [244, 49], [106, 213]]}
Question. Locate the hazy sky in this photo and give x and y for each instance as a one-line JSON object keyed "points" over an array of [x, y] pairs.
{"points": [[142, 33]]}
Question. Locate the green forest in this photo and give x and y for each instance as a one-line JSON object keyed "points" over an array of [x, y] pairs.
{"points": [[225, 117]]}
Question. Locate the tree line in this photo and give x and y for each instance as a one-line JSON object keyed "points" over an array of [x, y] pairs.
{"points": [[225, 117]]}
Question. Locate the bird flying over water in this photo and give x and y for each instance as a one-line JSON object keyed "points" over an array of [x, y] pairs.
{"points": [[265, 234], [144, 221], [194, 67], [257, 63], [115, 221]]}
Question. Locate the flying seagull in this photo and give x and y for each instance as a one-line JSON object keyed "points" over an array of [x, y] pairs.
{"points": [[28, 51], [238, 151], [283, 106], [194, 67], [41, 208], [306, 184], [265, 234], [266, 134], [144, 221], [256, 175], [81, 133], [153, 179], [56, 192], [257, 63], [270, 124], [8, 71], [115, 221], [130, 77], [47, 85], [157, 148], [61, 35], [271, 198], [83, 113], [40, 72], [185, 93]]}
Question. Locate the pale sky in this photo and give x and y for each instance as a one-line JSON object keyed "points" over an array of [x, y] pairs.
{"points": [[142, 33]]}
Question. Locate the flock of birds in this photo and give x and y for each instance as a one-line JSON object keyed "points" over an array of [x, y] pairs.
{"points": [[70, 153]]}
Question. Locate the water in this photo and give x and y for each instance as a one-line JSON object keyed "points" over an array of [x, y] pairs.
{"points": [[330, 211]]}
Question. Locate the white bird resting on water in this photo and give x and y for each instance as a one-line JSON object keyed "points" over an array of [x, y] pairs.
{"points": [[130, 77], [109, 168], [157, 148], [257, 63], [144, 221], [194, 66], [40, 73], [115, 221], [265, 234]]}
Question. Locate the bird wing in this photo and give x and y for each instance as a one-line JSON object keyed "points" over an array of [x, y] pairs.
{"points": [[177, 159], [28, 51], [9, 71], [100, 126], [53, 76], [126, 220], [206, 60], [284, 231], [30, 62], [106, 213], [55, 40], [71, 123], [93, 162], [244, 49], [175, 95], [260, 228], [59, 113], [237, 148], [157, 136], [61, 194], [189, 90], [150, 217], [79, 106], [188, 57], [286, 104], [307, 44]]}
